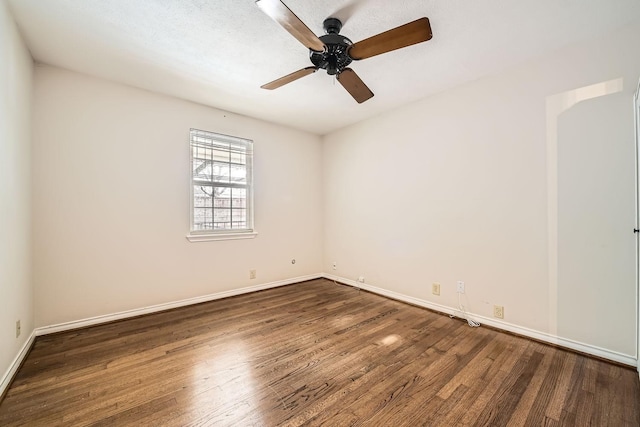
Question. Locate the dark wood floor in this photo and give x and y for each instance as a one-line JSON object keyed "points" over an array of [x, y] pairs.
{"points": [[314, 353]]}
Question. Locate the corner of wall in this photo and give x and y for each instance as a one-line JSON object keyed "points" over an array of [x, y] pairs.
{"points": [[16, 290]]}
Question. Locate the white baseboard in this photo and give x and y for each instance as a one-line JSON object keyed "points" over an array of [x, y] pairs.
{"points": [[498, 324], [91, 321], [15, 365]]}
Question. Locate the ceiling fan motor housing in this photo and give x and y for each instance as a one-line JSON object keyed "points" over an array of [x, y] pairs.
{"points": [[334, 59]]}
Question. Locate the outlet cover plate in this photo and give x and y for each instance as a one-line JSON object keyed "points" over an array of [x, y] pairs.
{"points": [[435, 288], [460, 287]]}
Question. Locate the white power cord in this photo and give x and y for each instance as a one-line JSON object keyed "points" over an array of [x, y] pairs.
{"points": [[344, 284], [465, 316]]}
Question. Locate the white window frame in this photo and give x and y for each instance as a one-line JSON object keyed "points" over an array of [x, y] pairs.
{"points": [[223, 234]]}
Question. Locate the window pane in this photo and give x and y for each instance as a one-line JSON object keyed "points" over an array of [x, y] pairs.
{"points": [[202, 170], [222, 215], [201, 163], [202, 196], [238, 174], [222, 197], [221, 172], [222, 218], [239, 214], [239, 198], [238, 158], [202, 218], [221, 156], [201, 153], [222, 205]]}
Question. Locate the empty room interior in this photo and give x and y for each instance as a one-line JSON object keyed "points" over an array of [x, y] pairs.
{"points": [[338, 212]]}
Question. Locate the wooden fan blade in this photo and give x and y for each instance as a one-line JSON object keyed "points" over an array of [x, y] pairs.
{"points": [[289, 78], [356, 87], [405, 35], [280, 13]]}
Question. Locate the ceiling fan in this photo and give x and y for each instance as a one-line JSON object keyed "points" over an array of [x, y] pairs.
{"points": [[334, 52]]}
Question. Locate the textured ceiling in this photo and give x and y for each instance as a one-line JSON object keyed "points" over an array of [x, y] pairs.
{"points": [[219, 52]]}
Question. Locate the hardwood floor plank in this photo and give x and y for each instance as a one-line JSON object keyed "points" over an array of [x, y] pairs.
{"points": [[583, 410], [495, 376], [473, 371], [507, 397], [313, 353], [560, 391], [537, 414], [522, 410]]}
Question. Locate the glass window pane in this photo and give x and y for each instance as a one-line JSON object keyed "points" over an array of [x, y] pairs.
{"points": [[221, 172], [239, 158], [239, 199], [222, 197], [201, 162], [202, 218], [200, 152], [221, 156], [202, 170], [238, 174], [202, 196], [239, 215], [222, 218], [222, 215]]}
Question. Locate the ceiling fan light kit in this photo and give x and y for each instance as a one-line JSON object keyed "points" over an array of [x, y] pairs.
{"points": [[334, 52]]}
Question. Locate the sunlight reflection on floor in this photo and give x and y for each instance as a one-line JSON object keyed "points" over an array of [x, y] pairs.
{"points": [[223, 387], [389, 340]]}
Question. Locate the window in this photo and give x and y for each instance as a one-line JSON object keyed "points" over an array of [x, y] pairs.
{"points": [[221, 187]]}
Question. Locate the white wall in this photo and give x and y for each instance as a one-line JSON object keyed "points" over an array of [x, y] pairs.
{"points": [[111, 200], [15, 190], [533, 208]]}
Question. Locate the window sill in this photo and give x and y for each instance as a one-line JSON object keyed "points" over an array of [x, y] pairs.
{"points": [[220, 236]]}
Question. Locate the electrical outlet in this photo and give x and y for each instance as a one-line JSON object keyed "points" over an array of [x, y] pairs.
{"points": [[335, 265], [498, 311], [460, 287], [435, 288], [17, 328], [252, 274], [361, 279]]}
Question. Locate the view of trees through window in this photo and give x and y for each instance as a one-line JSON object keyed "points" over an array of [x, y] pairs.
{"points": [[221, 182]]}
